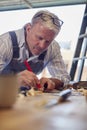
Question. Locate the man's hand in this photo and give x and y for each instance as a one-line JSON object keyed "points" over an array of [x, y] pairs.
{"points": [[47, 84], [27, 78]]}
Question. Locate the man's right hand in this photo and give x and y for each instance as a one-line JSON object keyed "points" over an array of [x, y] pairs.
{"points": [[27, 78]]}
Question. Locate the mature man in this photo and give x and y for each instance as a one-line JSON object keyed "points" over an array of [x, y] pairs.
{"points": [[35, 39]]}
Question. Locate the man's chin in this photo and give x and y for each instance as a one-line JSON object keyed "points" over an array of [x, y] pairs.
{"points": [[36, 52]]}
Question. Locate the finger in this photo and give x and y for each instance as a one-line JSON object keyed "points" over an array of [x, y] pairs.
{"points": [[28, 82], [51, 85]]}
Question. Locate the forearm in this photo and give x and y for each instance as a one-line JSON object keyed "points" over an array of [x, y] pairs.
{"points": [[58, 83]]}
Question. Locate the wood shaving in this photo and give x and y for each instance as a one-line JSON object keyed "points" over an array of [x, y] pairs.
{"points": [[83, 91], [33, 92], [20, 95]]}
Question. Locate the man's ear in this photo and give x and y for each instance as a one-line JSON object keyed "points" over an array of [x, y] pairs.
{"points": [[28, 26]]}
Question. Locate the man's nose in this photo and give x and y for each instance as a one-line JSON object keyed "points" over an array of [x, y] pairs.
{"points": [[42, 44]]}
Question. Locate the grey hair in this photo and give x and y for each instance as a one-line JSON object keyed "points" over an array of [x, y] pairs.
{"points": [[48, 22]]}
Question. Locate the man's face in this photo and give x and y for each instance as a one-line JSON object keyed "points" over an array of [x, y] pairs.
{"points": [[38, 38]]}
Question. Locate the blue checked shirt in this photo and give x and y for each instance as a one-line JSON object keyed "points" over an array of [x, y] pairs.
{"points": [[53, 59]]}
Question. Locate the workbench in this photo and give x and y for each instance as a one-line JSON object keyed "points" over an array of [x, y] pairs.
{"points": [[43, 112]]}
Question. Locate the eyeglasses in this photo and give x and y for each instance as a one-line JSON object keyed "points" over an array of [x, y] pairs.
{"points": [[46, 17]]}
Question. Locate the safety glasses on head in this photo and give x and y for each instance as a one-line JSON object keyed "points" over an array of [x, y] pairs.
{"points": [[46, 17]]}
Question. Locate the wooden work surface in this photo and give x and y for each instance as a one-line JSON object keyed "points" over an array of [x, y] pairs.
{"points": [[42, 112]]}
